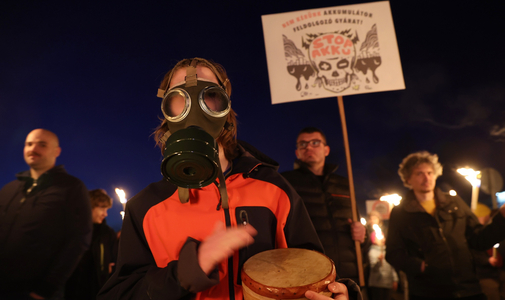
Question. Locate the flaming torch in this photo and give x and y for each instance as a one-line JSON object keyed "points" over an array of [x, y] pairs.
{"points": [[378, 232], [495, 250], [122, 198], [379, 236], [474, 178], [393, 199]]}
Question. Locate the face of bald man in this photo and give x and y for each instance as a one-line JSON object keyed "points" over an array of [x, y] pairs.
{"points": [[41, 150]]}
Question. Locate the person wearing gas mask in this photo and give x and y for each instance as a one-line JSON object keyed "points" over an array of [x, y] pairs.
{"points": [[221, 201]]}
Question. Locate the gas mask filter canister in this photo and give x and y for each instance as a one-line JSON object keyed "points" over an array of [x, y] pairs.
{"points": [[191, 158]]}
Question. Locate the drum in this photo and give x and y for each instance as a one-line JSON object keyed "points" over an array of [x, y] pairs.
{"points": [[286, 274]]}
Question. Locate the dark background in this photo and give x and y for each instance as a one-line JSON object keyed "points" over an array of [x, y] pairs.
{"points": [[89, 71]]}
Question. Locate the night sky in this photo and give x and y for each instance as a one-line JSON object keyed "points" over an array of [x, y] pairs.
{"points": [[89, 72]]}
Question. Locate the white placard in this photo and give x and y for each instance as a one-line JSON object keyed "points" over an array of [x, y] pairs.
{"points": [[327, 52]]}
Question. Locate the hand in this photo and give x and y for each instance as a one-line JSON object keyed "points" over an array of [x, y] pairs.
{"points": [[395, 286], [358, 231], [380, 257], [222, 243], [36, 296], [423, 266], [493, 261], [111, 265], [339, 291]]}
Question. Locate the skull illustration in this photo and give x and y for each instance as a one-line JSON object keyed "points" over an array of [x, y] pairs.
{"points": [[333, 56]]}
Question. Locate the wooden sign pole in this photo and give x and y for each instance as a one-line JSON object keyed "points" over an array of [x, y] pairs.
{"points": [[351, 188]]}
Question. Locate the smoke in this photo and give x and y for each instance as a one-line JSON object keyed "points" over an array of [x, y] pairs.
{"points": [[432, 98], [497, 132]]}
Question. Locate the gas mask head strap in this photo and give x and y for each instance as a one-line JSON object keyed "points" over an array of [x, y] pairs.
{"points": [[191, 79], [191, 73]]}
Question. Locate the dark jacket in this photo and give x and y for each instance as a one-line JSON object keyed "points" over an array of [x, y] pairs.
{"points": [[160, 235], [329, 206], [44, 233], [443, 241], [93, 270]]}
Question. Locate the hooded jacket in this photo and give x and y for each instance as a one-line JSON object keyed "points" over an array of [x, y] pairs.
{"points": [[329, 206], [160, 236], [43, 233], [443, 241]]}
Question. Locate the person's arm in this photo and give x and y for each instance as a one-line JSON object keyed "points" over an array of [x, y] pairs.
{"points": [[395, 279], [299, 230], [137, 276], [358, 231], [78, 228], [483, 237], [397, 254]]}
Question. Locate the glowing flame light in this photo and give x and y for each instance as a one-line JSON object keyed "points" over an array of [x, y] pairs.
{"points": [[121, 194], [363, 221], [393, 199], [472, 176], [496, 245], [378, 232], [452, 193], [122, 198]]}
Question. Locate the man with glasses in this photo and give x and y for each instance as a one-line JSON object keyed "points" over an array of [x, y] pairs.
{"points": [[326, 196]]}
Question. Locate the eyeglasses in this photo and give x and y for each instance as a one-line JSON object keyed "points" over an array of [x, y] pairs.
{"points": [[304, 144]]}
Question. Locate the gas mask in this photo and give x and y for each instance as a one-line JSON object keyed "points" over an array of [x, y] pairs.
{"points": [[196, 112]]}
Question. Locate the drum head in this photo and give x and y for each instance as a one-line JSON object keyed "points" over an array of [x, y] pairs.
{"points": [[287, 273]]}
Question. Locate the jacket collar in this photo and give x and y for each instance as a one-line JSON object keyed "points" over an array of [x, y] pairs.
{"points": [[327, 169], [412, 205], [44, 179], [249, 158]]}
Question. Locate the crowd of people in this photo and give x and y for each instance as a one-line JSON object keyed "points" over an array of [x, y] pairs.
{"points": [[221, 202]]}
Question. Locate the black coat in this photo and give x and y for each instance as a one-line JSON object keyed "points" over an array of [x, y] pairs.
{"points": [[444, 241], [44, 233], [329, 206], [93, 269]]}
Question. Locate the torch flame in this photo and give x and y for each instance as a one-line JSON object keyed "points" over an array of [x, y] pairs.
{"points": [[378, 232], [122, 195], [471, 175], [393, 199]]}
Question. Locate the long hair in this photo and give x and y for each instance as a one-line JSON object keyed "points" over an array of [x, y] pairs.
{"points": [[228, 136]]}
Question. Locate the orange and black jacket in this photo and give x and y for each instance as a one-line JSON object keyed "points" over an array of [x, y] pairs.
{"points": [[160, 235]]}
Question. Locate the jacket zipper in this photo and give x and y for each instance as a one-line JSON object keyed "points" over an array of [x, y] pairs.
{"points": [[34, 185], [231, 288], [441, 231]]}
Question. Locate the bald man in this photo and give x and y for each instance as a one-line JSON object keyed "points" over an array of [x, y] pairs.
{"points": [[45, 224]]}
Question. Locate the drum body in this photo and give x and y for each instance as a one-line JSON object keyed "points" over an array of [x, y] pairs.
{"points": [[286, 274]]}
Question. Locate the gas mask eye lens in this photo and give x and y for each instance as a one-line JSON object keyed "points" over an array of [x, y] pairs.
{"points": [[214, 101], [176, 105]]}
